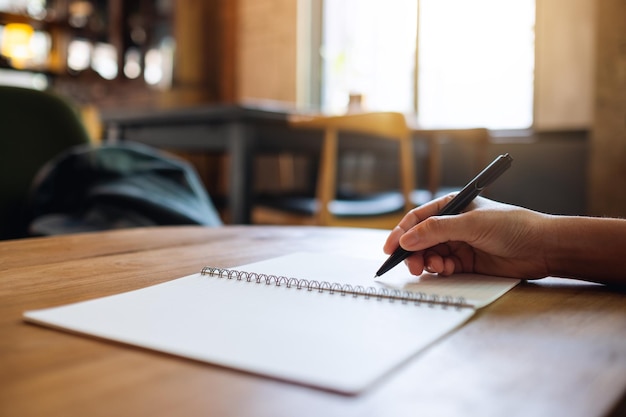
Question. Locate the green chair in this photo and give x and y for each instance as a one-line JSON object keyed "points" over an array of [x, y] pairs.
{"points": [[35, 126]]}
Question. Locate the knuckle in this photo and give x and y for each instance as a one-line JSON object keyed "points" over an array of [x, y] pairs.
{"points": [[433, 224]]}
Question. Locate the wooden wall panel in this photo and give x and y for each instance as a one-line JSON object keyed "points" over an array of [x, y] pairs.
{"points": [[205, 33], [267, 50], [607, 195], [564, 64]]}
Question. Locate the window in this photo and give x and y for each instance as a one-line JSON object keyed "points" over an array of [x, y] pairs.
{"points": [[368, 49], [475, 60]]}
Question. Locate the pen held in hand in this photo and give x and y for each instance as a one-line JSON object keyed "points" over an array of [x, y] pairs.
{"points": [[457, 204]]}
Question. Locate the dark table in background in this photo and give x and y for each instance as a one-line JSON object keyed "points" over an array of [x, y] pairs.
{"points": [[237, 130], [244, 130]]}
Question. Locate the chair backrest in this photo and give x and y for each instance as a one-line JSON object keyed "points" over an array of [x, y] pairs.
{"points": [[384, 125], [34, 127]]}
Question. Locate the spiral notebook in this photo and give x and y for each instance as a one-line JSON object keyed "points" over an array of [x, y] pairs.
{"points": [[314, 319]]}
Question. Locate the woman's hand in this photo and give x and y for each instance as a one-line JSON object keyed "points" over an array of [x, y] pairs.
{"points": [[489, 238]]}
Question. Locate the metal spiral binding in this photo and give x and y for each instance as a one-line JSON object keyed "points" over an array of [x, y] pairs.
{"points": [[333, 287]]}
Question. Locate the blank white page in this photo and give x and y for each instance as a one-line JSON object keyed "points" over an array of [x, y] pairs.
{"points": [[329, 341]]}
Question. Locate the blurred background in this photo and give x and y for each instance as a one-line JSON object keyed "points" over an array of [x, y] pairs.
{"points": [[547, 78]]}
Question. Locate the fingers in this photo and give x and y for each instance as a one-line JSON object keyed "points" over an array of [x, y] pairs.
{"points": [[412, 218], [418, 214], [393, 239], [441, 265], [434, 263], [436, 230], [449, 244], [421, 229], [415, 263]]}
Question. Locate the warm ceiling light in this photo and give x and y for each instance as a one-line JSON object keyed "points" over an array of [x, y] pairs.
{"points": [[16, 38]]}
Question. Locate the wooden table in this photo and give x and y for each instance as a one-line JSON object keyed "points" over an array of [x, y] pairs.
{"points": [[549, 348]]}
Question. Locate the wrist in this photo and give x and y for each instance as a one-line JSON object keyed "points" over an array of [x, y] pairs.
{"points": [[585, 248]]}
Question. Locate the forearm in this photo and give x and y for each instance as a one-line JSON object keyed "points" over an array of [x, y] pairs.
{"points": [[588, 248]]}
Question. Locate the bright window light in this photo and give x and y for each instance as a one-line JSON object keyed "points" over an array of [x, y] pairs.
{"points": [[475, 59], [476, 63], [369, 51]]}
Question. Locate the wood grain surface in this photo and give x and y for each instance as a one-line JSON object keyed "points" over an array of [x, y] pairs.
{"points": [[552, 347]]}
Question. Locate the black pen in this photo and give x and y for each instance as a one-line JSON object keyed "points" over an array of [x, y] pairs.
{"points": [[457, 204]]}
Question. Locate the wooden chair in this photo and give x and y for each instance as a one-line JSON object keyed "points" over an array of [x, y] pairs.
{"points": [[327, 207]]}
